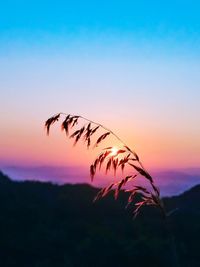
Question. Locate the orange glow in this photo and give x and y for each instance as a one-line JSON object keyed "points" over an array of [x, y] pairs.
{"points": [[25, 142], [114, 151]]}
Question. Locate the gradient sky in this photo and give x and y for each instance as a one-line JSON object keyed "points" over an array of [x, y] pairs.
{"points": [[132, 65]]}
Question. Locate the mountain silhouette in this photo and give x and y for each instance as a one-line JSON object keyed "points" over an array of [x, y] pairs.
{"points": [[42, 224]]}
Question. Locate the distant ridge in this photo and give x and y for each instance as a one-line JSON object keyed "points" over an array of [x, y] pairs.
{"points": [[170, 182], [191, 194]]}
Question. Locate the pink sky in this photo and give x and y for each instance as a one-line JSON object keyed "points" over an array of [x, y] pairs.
{"points": [[25, 143]]}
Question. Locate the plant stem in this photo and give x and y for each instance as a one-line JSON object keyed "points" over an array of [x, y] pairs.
{"points": [[155, 190], [173, 247]]}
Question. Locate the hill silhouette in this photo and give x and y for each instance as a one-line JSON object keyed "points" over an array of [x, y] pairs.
{"points": [[44, 225]]}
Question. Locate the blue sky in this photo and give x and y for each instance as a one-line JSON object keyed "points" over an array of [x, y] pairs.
{"points": [[168, 24]]}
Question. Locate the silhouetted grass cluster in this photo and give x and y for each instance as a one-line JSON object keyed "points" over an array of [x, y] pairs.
{"points": [[111, 159]]}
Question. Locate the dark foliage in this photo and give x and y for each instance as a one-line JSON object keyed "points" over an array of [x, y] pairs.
{"points": [[44, 225]]}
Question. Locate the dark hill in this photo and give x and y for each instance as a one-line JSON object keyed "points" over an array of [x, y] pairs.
{"points": [[44, 225], [4, 179]]}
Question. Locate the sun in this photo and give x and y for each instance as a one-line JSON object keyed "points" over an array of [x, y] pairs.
{"points": [[114, 151]]}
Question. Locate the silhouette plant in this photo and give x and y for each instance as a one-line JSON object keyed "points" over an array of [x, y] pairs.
{"points": [[111, 159]]}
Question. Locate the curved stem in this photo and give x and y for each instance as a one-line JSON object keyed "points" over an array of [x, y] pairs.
{"points": [[124, 144], [107, 129]]}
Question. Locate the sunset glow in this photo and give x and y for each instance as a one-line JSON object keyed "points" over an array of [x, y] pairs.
{"points": [[139, 79], [114, 151]]}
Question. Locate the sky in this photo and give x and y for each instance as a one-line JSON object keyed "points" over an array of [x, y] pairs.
{"points": [[131, 65]]}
